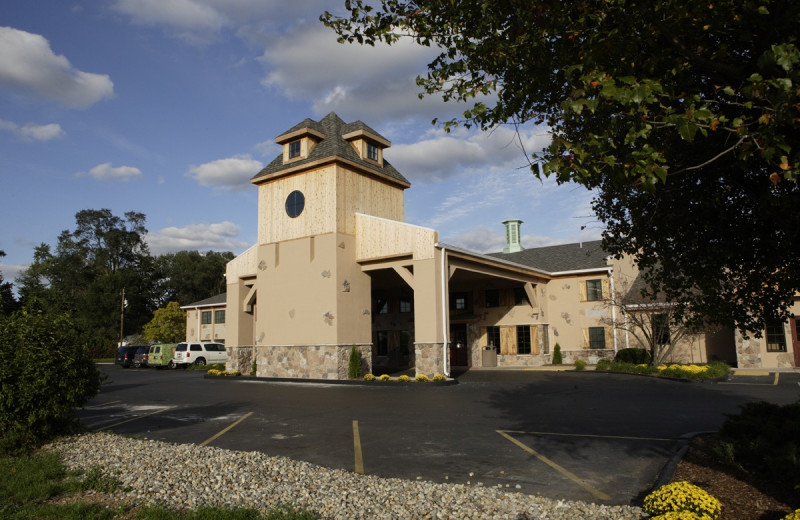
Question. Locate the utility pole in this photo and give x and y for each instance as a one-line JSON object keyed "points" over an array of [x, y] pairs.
{"points": [[121, 315]]}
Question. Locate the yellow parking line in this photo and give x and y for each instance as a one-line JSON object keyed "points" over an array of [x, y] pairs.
{"points": [[134, 418], [775, 383], [750, 373], [594, 491], [624, 437], [226, 430], [359, 459], [92, 407]]}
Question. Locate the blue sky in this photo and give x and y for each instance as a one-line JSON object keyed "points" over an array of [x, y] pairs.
{"points": [[169, 107]]}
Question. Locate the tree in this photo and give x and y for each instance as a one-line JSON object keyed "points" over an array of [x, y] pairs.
{"points": [[8, 303], [168, 325], [190, 276], [683, 116], [46, 374]]}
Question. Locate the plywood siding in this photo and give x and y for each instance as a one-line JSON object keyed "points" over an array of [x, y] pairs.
{"points": [[359, 193], [381, 238], [243, 265]]}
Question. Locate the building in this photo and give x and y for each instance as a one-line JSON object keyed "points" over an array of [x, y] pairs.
{"points": [[336, 268], [205, 320]]}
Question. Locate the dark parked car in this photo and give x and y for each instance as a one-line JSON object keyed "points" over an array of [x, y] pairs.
{"points": [[140, 358], [126, 356]]}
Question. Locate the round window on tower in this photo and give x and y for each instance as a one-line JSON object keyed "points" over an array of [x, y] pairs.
{"points": [[295, 203]]}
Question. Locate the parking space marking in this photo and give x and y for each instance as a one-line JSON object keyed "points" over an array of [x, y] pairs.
{"points": [[775, 380], [623, 437], [132, 418], [594, 491], [359, 459], [96, 406], [226, 430]]}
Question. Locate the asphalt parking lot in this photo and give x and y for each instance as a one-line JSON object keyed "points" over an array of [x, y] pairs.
{"points": [[578, 436]]}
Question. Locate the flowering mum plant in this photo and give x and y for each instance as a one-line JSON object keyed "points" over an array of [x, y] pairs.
{"points": [[792, 516], [404, 379], [422, 378], [385, 377], [439, 377], [369, 377], [677, 515], [682, 496]]}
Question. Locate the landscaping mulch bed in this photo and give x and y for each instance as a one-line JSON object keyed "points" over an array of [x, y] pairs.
{"points": [[743, 496]]}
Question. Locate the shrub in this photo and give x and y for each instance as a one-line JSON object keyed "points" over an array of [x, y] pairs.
{"points": [[439, 377], [369, 377], [557, 358], [422, 378], [45, 375], [580, 365], [792, 516], [354, 370], [404, 379], [253, 368], [603, 364], [682, 496], [637, 356], [764, 439], [385, 377]]}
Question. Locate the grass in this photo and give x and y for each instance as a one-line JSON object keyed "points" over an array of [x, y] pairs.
{"points": [[39, 487]]}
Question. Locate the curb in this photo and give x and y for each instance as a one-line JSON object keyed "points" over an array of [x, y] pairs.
{"points": [[346, 382], [672, 464]]}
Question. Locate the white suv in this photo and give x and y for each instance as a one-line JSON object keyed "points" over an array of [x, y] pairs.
{"points": [[199, 354]]}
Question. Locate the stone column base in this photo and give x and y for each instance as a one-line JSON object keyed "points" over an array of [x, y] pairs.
{"points": [[240, 358], [309, 361], [430, 359]]}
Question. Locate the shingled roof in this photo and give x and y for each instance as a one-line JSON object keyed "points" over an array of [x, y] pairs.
{"points": [[332, 146], [566, 257]]}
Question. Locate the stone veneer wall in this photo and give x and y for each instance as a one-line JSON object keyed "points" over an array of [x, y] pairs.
{"points": [[429, 359], [240, 357], [309, 361], [591, 356], [748, 351], [522, 360]]}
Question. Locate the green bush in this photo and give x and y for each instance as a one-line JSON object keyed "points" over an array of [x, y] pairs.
{"points": [[763, 439], [637, 356], [354, 370], [557, 358], [45, 375], [603, 364], [580, 365]]}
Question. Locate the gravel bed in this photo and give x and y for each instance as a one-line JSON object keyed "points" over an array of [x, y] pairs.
{"points": [[185, 476]]}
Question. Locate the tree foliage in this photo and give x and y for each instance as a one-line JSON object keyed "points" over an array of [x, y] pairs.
{"points": [[46, 373], [683, 116], [8, 303], [190, 276], [168, 325]]}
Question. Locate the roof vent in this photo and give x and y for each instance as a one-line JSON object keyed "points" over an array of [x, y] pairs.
{"points": [[512, 236]]}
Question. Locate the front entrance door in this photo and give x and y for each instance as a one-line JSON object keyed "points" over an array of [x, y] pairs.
{"points": [[458, 345], [795, 325]]}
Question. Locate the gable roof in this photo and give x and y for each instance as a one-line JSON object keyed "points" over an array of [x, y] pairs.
{"points": [[219, 299], [561, 258], [331, 130]]}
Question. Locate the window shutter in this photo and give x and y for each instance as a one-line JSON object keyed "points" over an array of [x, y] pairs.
{"points": [[394, 340], [508, 340], [484, 342], [582, 290], [609, 338], [506, 298], [606, 289], [480, 299], [534, 339], [585, 333]]}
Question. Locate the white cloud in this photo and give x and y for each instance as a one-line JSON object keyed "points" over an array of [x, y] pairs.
{"points": [[439, 155], [233, 173], [222, 236], [194, 20], [106, 172], [31, 132], [27, 64]]}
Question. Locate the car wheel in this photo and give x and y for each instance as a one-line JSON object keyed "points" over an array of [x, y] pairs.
{"points": [[171, 364], [200, 361]]}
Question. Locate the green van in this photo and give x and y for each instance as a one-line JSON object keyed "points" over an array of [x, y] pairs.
{"points": [[160, 355]]}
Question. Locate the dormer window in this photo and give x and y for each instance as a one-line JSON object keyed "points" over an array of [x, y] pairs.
{"points": [[372, 152], [294, 149]]}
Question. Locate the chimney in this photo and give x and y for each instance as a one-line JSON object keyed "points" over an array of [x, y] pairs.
{"points": [[512, 236]]}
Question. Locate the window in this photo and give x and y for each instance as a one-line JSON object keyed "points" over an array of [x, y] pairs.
{"points": [[523, 339], [776, 340], [594, 290], [205, 317], [195, 347], [458, 302], [219, 316], [493, 337], [294, 149], [372, 152], [520, 296], [597, 338], [405, 305], [492, 298], [382, 343], [660, 323], [295, 203], [382, 305]]}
